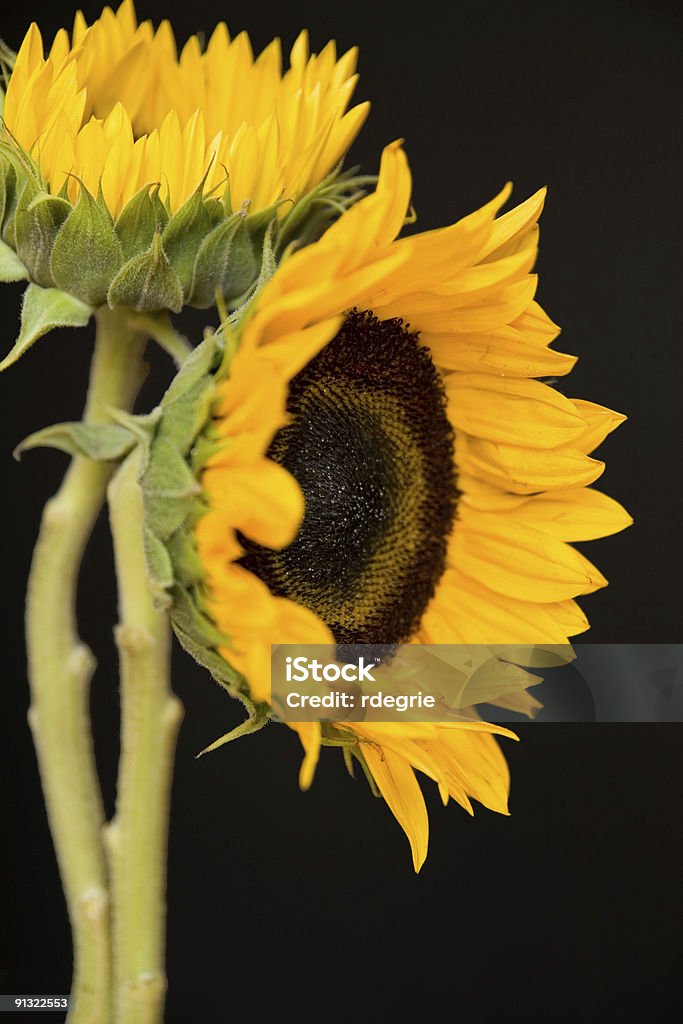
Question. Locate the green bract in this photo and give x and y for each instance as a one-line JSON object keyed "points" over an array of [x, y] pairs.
{"points": [[148, 260]]}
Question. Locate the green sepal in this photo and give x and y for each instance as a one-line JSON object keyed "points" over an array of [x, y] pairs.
{"points": [[42, 310], [186, 562], [24, 167], [268, 258], [141, 218], [226, 201], [8, 181], [87, 253], [159, 569], [142, 428], [263, 222], [356, 752], [8, 200], [169, 488], [200, 638], [187, 402], [7, 61], [201, 361], [184, 234], [198, 626], [38, 219], [226, 263], [259, 715], [101, 442], [268, 267], [313, 213], [172, 502], [189, 415], [208, 658], [205, 448], [147, 282], [351, 748], [11, 267]]}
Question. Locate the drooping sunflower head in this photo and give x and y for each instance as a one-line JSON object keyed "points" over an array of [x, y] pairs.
{"points": [[382, 464], [151, 141]]}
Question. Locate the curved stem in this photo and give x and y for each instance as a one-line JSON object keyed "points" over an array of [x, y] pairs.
{"points": [[60, 667], [137, 835]]}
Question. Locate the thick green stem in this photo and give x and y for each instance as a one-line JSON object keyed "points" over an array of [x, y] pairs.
{"points": [[60, 668], [137, 836]]}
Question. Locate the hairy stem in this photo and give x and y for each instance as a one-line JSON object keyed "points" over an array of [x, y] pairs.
{"points": [[137, 835], [60, 668]]}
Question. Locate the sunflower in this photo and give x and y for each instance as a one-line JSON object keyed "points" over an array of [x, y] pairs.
{"points": [[250, 495], [383, 467], [116, 107]]}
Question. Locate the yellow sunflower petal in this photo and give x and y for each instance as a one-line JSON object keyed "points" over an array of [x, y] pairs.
{"points": [[513, 226], [262, 500], [599, 421], [397, 783], [526, 470], [521, 412], [521, 562], [484, 616], [309, 734], [573, 515], [569, 617], [277, 134], [505, 351], [475, 762]]}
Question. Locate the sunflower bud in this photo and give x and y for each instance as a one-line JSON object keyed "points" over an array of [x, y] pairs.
{"points": [[148, 259], [112, 192]]}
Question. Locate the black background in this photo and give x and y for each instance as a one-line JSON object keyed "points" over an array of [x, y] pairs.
{"points": [[308, 901]]}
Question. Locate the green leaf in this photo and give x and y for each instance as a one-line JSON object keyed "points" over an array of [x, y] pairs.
{"points": [[101, 442], [42, 310], [140, 219], [87, 254], [147, 282], [11, 267]]}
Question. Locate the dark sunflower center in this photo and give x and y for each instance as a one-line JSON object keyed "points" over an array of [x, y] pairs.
{"points": [[372, 449]]}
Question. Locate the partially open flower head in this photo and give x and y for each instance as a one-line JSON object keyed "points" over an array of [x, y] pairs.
{"points": [[133, 175], [378, 463]]}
